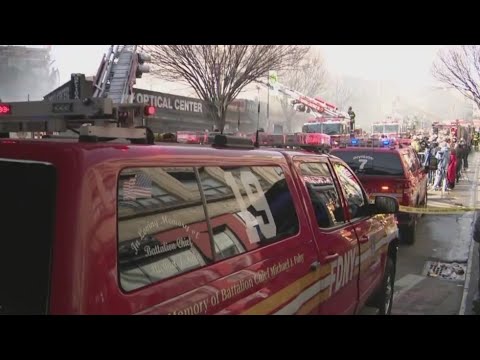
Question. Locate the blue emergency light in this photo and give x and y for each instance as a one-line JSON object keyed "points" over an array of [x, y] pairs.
{"points": [[386, 142], [354, 141]]}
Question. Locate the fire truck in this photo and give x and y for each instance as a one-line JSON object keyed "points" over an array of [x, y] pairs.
{"points": [[329, 127], [329, 124], [338, 128], [438, 127], [476, 124], [462, 129], [391, 128]]}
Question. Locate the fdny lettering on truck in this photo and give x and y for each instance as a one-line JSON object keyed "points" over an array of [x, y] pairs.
{"points": [[342, 270]]}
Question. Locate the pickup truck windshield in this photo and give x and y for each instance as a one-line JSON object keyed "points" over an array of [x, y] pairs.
{"points": [[27, 191]]}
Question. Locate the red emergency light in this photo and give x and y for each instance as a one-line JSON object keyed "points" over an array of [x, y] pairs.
{"points": [[188, 137], [317, 139], [149, 110], [5, 109]]}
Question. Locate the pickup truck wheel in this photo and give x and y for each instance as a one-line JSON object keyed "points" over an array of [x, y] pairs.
{"points": [[384, 298], [386, 309]]}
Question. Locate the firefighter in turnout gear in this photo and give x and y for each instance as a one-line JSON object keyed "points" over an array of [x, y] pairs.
{"points": [[475, 140], [351, 113]]}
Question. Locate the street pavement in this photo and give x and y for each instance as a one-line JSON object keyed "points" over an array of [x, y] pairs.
{"points": [[438, 274]]}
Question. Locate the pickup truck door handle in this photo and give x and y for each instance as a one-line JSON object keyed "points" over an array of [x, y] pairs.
{"points": [[363, 239], [315, 265], [331, 257]]}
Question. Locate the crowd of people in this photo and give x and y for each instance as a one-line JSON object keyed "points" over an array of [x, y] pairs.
{"points": [[445, 157]]}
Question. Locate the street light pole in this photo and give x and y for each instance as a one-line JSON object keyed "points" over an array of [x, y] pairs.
{"points": [[268, 103], [238, 119], [256, 144], [258, 116]]}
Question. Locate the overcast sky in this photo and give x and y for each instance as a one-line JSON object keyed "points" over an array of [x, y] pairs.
{"points": [[406, 64], [83, 59]]}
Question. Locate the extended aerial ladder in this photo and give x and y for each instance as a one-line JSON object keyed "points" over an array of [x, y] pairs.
{"points": [[118, 72], [324, 112], [109, 114], [317, 106]]}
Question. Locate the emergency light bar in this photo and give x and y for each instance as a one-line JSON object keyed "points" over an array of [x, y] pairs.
{"points": [[369, 143], [227, 141], [191, 137]]}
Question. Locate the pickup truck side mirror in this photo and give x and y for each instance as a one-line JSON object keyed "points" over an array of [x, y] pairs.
{"points": [[385, 205]]}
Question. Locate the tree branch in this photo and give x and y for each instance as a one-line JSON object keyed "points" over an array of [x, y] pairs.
{"points": [[218, 73], [459, 68]]}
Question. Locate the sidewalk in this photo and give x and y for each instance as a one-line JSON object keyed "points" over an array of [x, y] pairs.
{"points": [[423, 285], [461, 194], [466, 193]]}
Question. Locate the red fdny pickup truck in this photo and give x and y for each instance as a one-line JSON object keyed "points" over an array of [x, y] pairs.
{"points": [[118, 228], [386, 167]]}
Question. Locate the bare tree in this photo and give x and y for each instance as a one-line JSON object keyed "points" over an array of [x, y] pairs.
{"points": [[218, 73], [340, 94], [459, 68], [309, 78]]}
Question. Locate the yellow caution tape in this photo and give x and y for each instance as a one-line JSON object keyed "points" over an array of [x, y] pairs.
{"points": [[436, 210]]}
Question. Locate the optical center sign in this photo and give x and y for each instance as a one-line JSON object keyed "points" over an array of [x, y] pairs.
{"points": [[169, 102]]}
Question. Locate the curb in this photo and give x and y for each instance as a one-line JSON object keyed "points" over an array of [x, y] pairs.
{"points": [[473, 202], [463, 306]]}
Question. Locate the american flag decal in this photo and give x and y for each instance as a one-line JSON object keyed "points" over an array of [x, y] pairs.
{"points": [[138, 186]]}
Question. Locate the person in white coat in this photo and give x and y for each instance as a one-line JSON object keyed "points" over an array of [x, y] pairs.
{"points": [[442, 156]]}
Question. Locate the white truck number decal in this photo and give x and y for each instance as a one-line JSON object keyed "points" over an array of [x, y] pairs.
{"points": [[362, 163], [258, 201]]}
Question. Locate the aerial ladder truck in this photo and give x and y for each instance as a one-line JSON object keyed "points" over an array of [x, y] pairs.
{"points": [[109, 114], [328, 121]]}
